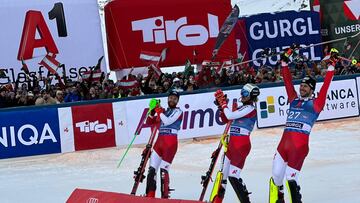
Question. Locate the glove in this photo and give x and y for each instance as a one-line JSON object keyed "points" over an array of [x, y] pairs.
{"points": [[159, 110], [221, 98], [218, 104], [285, 56], [153, 103]]}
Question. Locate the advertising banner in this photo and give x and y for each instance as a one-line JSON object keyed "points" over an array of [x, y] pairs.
{"points": [[187, 27], [340, 18], [280, 30], [43, 34], [93, 126], [66, 130], [22, 135], [342, 101], [200, 117]]}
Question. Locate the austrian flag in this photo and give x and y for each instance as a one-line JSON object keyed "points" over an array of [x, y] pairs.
{"points": [[150, 57], [50, 63], [153, 57]]}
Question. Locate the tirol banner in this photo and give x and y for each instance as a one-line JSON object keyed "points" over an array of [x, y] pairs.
{"points": [[280, 30], [340, 18], [93, 126], [342, 101], [53, 36], [187, 28]]}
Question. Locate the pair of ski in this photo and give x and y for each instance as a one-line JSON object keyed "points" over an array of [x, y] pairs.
{"points": [[139, 173], [205, 179]]}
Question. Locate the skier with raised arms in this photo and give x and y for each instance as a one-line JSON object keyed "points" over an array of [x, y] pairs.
{"points": [[294, 145]]}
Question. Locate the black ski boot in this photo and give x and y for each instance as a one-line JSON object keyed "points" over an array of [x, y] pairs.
{"points": [[151, 182], [165, 182], [294, 191], [240, 189]]}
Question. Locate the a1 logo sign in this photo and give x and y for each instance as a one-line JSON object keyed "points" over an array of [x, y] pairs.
{"points": [[159, 31], [35, 22]]}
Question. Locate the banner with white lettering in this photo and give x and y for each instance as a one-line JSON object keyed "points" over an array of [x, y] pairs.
{"points": [[340, 19], [187, 28], [200, 117], [342, 101], [29, 132], [36, 35], [280, 30]]}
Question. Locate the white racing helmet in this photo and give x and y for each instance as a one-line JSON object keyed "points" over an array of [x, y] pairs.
{"points": [[250, 90]]}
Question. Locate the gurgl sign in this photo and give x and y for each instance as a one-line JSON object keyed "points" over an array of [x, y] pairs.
{"points": [[186, 27], [280, 30]]}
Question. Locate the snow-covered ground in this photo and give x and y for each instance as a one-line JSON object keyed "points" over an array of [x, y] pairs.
{"points": [[330, 172]]}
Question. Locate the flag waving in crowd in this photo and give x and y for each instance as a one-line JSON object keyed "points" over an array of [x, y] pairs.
{"points": [[226, 29], [153, 59]]}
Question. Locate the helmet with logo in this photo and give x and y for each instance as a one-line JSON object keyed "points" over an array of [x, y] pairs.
{"points": [[309, 80], [250, 90]]}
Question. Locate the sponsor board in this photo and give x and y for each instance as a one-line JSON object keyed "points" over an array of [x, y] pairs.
{"points": [[61, 27], [280, 30], [93, 126], [342, 101], [200, 117], [187, 27], [22, 135]]}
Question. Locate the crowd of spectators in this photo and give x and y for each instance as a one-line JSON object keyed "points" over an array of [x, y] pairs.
{"points": [[32, 93]]}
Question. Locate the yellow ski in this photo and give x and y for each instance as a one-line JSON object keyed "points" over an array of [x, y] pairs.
{"points": [[273, 192], [217, 185]]}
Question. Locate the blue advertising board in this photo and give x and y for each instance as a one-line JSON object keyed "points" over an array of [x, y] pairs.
{"points": [[30, 132], [281, 30]]}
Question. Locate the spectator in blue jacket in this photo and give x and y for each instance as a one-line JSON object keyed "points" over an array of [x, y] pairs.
{"points": [[72, 96]]}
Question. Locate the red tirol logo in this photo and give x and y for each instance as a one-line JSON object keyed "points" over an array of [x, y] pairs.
{"points": [[160, 31], [93, 126]]}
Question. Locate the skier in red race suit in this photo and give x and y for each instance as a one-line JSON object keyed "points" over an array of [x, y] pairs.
{"points": [[243, 121], [294, 145], [166, 144]]}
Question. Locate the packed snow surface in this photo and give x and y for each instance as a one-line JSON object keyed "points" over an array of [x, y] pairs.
{"points": [[330, 172]]}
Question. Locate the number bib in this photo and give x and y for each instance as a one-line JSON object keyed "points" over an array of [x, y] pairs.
{"points": [[301, 116]]}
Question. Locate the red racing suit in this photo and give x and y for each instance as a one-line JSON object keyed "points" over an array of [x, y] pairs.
{"points": [[167, 142], [303, 113], [243, 121]]}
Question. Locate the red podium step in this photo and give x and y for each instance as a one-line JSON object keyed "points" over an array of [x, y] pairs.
{"points": [[94, 196]]}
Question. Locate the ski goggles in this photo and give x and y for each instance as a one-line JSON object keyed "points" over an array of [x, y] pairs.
{"points": [[244, 93]]}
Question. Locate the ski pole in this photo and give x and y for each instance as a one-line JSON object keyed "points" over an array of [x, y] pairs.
{"points": [[152, 105], [305, 47]]}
